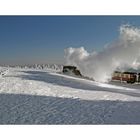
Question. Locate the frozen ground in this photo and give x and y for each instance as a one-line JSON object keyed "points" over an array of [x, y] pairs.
{"points": [[46, 97]]}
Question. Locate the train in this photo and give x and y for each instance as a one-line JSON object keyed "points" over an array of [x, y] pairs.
{"points": [[71, 70], [128, 77]]}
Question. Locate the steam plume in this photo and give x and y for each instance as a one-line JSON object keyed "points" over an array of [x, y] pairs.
{"points": [[123, 53]]}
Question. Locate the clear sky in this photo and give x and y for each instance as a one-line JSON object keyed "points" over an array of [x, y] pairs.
{"points": [[42, 39]]}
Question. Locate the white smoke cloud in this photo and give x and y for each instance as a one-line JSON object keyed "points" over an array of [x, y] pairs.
{"points": [[123, 53]]}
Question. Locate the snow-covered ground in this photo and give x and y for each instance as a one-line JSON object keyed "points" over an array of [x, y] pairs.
{"points": [[29, 96]]}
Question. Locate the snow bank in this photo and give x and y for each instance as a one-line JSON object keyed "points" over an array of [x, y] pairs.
{"points": [[122, 53]]}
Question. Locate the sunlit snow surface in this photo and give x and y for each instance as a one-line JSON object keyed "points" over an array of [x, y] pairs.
{"points": [[46, 97]]}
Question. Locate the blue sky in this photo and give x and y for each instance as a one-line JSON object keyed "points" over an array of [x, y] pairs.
{"points": [[42, 39]]}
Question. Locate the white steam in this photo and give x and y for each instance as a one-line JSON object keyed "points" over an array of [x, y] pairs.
{"points": [[123, 53]]}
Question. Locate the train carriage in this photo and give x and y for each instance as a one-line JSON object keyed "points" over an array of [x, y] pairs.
{"points": [[129, 77]]}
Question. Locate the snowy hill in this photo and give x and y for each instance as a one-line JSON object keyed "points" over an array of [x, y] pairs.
{"points": [[31, 96]]}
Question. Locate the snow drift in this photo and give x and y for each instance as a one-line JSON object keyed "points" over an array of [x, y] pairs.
{"points": [[122, 53]]}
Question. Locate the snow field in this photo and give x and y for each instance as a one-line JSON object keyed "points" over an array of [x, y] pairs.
{"points": [[29, 96]]}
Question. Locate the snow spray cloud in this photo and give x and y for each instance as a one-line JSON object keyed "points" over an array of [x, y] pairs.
{"points": [[123, 53]]}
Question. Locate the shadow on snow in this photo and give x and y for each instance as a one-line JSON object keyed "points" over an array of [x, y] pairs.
{"points": [[32, 109]]}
